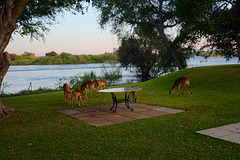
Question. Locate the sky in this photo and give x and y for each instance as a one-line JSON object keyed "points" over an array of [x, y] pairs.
{"points": [[75, 34]]}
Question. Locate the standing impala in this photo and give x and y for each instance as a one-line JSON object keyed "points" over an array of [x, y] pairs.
{"points": [[67, 95], [91, 85], [134, 95], [101, 84], [78, 94], [183, 81]]}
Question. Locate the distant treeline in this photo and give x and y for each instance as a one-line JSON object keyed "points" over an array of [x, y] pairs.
{"points": [[63, 58]]}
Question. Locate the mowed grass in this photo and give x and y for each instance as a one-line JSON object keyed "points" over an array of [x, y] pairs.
{"points": [[37, 131]]}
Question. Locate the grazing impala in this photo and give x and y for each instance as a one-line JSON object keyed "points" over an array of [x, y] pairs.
{"points": [[101, 83], [65, 87], [78, 94], [91, 85], [183, 81], [134, 95], [67, 95]]}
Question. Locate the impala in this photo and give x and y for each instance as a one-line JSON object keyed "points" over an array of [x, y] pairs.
{"points": [[91, 85], [65, 87], [67, 95], [101, 83], [78, 94], [178, 82], [134, 95]]}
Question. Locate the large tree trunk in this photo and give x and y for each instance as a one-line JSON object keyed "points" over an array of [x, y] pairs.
{"points": [[5, 62], [145, 74], [9, 14], [165, 40]]}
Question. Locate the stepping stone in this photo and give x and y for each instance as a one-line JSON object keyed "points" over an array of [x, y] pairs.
{"points": [[229, 133]]}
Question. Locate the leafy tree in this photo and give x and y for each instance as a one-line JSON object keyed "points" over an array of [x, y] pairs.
{"points": [[30, 56], [132, 52], [65, 55], [51, 54], [28, 18], [160, 14], [143, 50], [13, 57], [216, 21]]}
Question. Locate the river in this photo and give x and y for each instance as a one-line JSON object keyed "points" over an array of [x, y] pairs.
{"points": [[46, 76]]}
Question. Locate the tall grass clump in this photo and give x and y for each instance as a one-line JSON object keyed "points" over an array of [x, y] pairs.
{"points": [[77, 80], [112, 75]]}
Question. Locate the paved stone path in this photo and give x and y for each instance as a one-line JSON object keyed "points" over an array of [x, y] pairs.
{"points": [[101, 115], [228, 133]]}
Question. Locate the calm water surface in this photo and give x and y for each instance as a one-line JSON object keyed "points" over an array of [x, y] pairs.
{"points": [[20, 77]]}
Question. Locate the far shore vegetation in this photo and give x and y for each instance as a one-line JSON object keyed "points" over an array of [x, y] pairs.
{"points": [[52, 58]]}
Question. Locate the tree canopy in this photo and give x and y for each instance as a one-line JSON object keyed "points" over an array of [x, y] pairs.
{"points": [[216, 21], [160, 14], [143, 50]]}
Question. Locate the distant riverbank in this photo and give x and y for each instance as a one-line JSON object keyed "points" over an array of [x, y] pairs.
{"points": [[53, 58]]}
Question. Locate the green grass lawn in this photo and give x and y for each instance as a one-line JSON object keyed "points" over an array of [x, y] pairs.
{"points": [[37, 131]]}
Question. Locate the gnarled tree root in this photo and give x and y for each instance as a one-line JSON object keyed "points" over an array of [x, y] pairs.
{"points": [[4, 110]]}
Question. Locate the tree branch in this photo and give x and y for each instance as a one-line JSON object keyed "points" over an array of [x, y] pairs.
{"points": [[172, 25], [18, 9]]}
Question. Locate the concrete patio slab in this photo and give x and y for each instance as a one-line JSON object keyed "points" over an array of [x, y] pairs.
{"points": [[101, 115], [229, 133]]}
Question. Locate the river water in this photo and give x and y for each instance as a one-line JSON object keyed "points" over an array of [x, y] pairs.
{"points": [[46, 76]]}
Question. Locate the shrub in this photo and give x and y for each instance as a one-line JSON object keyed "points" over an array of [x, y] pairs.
{"points": [[113, 75]]}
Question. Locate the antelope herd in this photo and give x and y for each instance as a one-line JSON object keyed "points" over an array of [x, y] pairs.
{"points": [[80, 95]]}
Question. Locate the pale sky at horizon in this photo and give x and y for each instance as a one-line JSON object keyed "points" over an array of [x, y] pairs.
{"points": [[75, 34]]}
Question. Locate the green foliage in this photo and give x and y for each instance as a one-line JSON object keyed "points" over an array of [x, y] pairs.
{"points": [[63, 58], [215, 102], [52, 54], [89, 77], [22, 62], [30, 56], [43, 89], [160, 15], [59, 83], [111, 76], [133, 52], [216, 21], [25, 59], [25, 91], [76, 81], [146, 52]]}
